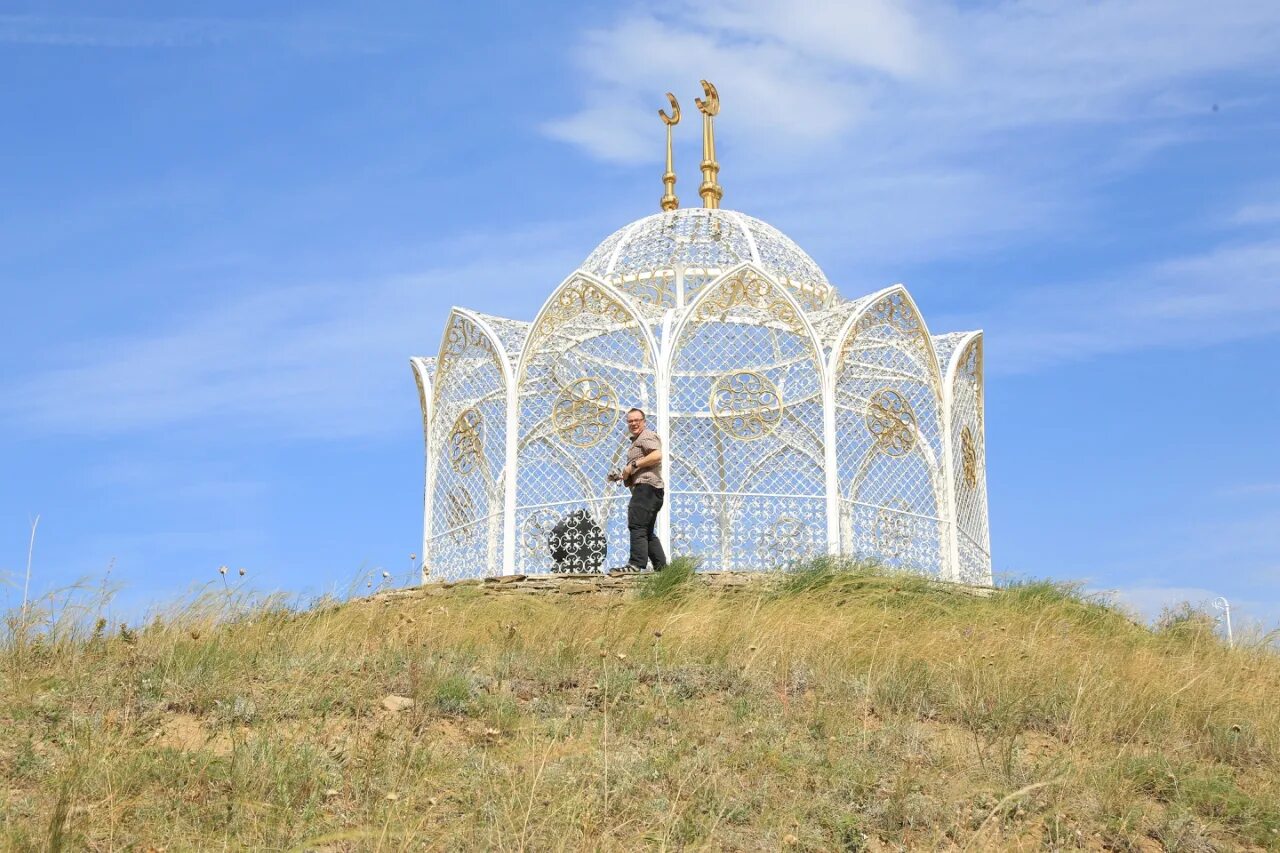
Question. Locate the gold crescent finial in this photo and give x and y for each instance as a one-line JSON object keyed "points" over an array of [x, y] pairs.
{"points": [[669, 200], [711, 106], [674, 118], [711, 191]]}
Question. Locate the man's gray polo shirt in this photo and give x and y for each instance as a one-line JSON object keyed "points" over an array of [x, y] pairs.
{"points": [[642, 445]]}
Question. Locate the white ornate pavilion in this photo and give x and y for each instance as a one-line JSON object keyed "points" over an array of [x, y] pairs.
{"points": [[797, 422]]}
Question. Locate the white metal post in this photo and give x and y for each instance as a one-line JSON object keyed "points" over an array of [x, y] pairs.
{"points": [[951, 512], [948, 455], [510, 472], [830, 462], [662, 385], [424, 395]]}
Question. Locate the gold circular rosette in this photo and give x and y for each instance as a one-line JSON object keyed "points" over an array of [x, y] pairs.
{"points": [[746, 405], [585, 412]]}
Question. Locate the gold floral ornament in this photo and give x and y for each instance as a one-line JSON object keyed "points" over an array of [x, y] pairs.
{"points": [[466, 347], [583, 297], [968, 458], [654, 291], [464, 338], [466, 441], [585, 412], [568, 305], [752, 290], [891, 422], [812, 297], [459, 511], [746, 405], [971, 360], [971, 367], [895, 310]]}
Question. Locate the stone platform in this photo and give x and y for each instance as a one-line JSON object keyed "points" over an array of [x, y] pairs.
{"points": [[572, 584], [581, 584]]}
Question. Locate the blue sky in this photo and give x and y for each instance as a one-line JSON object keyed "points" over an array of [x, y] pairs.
{"points": [[225, 227]]}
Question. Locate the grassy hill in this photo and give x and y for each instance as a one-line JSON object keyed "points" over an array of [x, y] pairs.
{"points": [[822, 711]]}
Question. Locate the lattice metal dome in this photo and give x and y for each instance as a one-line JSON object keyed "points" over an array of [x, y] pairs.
{"points": [[796, 422], [663, 260]]}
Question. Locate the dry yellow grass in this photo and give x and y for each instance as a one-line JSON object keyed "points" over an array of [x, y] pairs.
{"points": [[835, 711]]}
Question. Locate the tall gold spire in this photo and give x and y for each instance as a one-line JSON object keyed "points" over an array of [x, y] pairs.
{"points": [[669, 200], [710, 190]]}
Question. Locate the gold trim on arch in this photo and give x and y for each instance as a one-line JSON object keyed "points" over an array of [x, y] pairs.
{"points": [[461, 336], [968, 458], [751, 289]]}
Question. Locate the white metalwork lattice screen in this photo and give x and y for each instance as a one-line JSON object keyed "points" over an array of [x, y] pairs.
{"points": [[467, 452], [587, 360], [889, 438], [746, 421]]}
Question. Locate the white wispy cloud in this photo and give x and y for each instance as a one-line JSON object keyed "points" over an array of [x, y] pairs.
{"points": [[927, 73], [796, 100], [184, 479], [322, 360], [1227, 293], [1250, 490], [130, 32], [1256, 214], [1250, 616], [1148, 601], [107, 32], [1225, 546]]}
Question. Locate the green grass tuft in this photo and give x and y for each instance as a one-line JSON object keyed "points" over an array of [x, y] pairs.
{"points": [[672, 582], [837, 576]]}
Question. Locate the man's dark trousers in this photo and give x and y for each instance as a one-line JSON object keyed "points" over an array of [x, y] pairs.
{"points": [[642, 512]]}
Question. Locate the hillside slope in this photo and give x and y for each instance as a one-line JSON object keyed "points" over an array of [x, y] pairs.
{"points": [[825, 711]]}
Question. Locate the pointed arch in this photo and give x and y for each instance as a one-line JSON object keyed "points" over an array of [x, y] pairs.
{"points": [[892, 492], [589, 297], [875, 306], [703, 306], [589, 357], [745, 395], [467, 459], [966, 461]]}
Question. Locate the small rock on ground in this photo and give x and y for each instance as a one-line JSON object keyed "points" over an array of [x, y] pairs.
{"points": [[395, 703]]}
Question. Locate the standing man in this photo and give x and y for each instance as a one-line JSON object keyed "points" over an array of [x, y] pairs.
{"points": [[642, 474]]}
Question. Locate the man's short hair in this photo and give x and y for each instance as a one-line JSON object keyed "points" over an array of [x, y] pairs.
{"points": [[641, 411]]}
